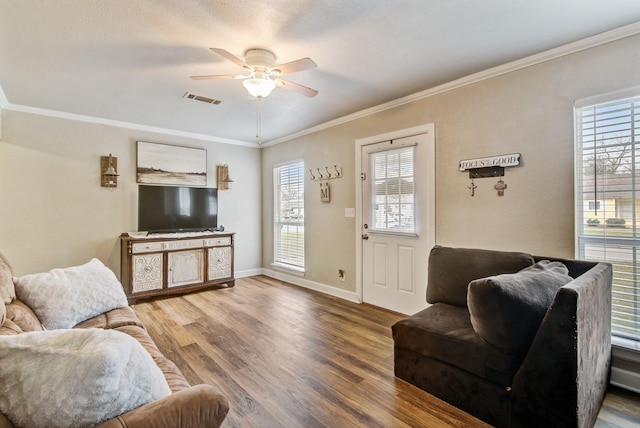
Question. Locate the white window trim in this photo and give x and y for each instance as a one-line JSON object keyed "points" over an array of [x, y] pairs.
{"points": [[292, 270], [622, 348]]}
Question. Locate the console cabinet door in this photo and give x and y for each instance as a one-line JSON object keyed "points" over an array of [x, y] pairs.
{"points": [[146, 272], [219, 263], [185, 267]]}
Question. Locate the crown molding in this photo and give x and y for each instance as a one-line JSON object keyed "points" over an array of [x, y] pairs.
{"points": [[567, 49], [121, 124], [548, 55]]}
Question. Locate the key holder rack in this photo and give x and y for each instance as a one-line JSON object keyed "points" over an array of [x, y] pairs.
{"points": [[327, 174], [493, 166]]}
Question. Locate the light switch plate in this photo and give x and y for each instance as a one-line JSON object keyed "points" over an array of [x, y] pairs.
{"points": [[349, 212]]}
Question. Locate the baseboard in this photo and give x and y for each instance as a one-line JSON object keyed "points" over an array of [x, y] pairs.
{"points": [[316, 286], [247, 272], [625, 379], [625, 364]]}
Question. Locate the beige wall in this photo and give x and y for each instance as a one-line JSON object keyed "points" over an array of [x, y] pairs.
{"points": [[54, 212], [328, 233], [529, 111]]}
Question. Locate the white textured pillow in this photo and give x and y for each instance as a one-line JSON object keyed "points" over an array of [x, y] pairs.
{"points": [[75, 378], [61, 298]]}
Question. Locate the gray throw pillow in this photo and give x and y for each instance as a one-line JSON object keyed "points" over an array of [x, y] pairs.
{"points": [[506, 310], [451, 270]]}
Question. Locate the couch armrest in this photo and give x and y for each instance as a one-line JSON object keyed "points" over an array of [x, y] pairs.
{"points": [[199, 406], [566, 370]]}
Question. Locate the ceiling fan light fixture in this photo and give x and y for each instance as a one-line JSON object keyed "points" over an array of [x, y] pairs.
{"points": [[259, 87], [264, 74]]}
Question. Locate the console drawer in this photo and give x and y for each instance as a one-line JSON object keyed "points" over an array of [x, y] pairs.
{"points": [[184, 244], [218, 242], [146, 247]]}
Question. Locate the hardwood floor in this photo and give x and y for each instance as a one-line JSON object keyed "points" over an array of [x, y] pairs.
{"points": [[621, 409], [285, 356]]}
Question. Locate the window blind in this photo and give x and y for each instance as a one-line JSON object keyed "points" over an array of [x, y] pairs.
{"points": [[607, 178], [288, 186], [392, 191]]}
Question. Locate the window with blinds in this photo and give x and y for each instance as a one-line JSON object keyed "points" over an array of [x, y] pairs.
{"points": [[607, 178], [288, 228], [392, 190]]}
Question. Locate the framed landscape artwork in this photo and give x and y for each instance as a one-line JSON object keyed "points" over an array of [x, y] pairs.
{"points": [[165, 164]]}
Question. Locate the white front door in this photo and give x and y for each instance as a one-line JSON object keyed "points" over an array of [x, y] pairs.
{"points": [[398, 224]]}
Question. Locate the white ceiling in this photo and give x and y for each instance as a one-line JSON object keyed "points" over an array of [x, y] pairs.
{"points": [[130, 61]]}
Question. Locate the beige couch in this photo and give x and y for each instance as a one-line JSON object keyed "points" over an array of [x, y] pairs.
{"points": [[186, 406]]}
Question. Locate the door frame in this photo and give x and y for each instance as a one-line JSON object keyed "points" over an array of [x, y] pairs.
{"points": [[428, 128]]}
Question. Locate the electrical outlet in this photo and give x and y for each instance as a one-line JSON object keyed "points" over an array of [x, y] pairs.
{"points": [[341, 276]]}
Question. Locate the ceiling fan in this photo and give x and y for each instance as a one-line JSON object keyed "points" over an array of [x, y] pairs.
{"points": [[263, 73]]}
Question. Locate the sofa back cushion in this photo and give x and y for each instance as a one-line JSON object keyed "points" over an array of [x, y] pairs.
{"points": [[22, 316], [452, 269], [9, 328]]}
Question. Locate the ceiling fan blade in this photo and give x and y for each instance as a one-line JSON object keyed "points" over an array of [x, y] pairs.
{"points": [[220, 76], [231, 57], [295, 66], [295, 87]]}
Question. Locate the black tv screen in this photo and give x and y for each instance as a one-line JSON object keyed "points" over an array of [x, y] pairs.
{"points": [[177, 209]]}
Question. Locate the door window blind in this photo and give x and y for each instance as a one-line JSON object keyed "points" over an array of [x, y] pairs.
{"points": [[288, 186], [392, 190], [607, 178]]}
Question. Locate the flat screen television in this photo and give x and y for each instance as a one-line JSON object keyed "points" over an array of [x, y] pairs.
{"points": [[163, 209]]}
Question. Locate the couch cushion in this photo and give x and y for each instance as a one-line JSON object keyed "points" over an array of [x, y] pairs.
{"points": [[23, 316], [112, 319], [7, 290], [83, 377], [172, 373], [126, 321], [444, 332], [64, 297], [451, 270], [9, 328], [506, 310]]}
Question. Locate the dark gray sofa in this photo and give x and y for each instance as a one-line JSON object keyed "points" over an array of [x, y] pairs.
{"points": [[558, 374]]}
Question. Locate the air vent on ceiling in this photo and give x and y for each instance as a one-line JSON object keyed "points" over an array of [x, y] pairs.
{"points": [[201, 98]]}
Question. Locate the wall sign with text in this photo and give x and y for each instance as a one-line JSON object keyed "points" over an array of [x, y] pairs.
{"points": [[502, 160]]}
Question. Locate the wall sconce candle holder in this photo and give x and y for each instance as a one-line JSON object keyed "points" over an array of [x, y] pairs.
{"points": [[223, 177], [108, 171]]}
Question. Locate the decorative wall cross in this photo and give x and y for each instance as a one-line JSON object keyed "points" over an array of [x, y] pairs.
{"points": [[473, 187], [500, 186]]}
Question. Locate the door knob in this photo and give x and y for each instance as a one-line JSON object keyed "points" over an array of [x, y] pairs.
{"points": [[365, 236]]}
